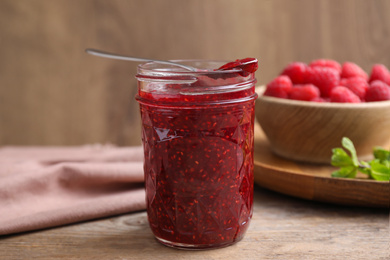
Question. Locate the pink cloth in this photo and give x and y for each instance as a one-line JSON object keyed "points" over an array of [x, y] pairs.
{"points": [[43, 187]]}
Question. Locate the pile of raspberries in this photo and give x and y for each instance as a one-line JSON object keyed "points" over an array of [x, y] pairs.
{"points": [[325, 80]]}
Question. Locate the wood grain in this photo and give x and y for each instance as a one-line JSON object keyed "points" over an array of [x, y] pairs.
{"points": [[52, 93], [308, 131], [314, 182], [282, 228]]}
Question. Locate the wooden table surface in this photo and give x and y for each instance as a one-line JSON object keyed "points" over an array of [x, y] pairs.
{"points": [[282, 228]]}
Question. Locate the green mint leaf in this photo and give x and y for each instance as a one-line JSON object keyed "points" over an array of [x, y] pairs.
{"points": [[340, 158], [347, 144], [379, 171], [386, 163], [365, 168], [381, 154], [345, 172]]}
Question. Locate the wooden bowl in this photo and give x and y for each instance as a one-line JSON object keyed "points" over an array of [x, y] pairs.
{"points": [[308, 131]]}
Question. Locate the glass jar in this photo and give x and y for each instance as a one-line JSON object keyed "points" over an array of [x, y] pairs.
{"points": [[197, 133]]}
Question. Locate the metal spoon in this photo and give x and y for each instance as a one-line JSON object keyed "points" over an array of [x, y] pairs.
{"points": [[128, 58]]}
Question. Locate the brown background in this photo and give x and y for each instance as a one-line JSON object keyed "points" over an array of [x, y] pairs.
{"points": [[52, 93]]}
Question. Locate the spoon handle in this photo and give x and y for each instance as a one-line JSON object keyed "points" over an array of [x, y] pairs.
{"points": [[128, 58]]}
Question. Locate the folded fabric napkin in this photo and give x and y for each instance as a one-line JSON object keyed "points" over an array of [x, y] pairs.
{"points": [[43, 187]]}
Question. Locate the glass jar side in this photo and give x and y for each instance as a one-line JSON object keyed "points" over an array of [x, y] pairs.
{"points": [[199, 173]]}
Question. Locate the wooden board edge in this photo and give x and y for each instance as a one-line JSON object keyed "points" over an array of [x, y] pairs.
{"points": [[350, 192]]}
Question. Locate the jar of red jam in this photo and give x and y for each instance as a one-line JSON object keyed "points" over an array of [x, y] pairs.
{"points": [[197, 133]]}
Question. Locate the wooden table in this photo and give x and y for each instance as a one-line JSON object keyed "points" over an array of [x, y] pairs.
{"points": [[282, 228]]}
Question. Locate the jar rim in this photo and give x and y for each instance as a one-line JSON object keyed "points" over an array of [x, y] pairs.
{"points": [[171, 84], [154, 69]]}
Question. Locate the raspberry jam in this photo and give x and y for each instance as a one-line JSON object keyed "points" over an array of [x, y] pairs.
{"points": [[197, 133]]}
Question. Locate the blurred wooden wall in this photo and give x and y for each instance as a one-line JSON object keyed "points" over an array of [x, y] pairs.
{"points": [[52, 93]]}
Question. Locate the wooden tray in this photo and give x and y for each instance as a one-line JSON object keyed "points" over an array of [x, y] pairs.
{"points": [[314, 182]]}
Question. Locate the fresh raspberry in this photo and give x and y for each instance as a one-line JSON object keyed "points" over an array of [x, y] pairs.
{"points": [[350, 69], [296, 72], [319, 99], [380, 72], [343, 81], [323, 78], [342, 94], [326, 63], [279, 87], [378, 91], [306, 92], [357, 85]]}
